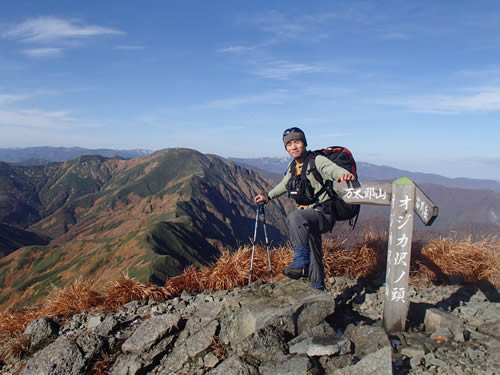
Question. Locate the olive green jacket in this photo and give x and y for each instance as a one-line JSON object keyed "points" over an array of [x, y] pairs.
{"points": [[326, 168]]}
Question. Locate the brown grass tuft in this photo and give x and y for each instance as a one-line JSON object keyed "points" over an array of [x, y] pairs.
{"points": [[365, 261], [123, 291], [474, 261], [73, 298], [14, 346]]}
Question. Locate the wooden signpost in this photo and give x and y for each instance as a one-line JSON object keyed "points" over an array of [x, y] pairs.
{"points": [[405, 199]]}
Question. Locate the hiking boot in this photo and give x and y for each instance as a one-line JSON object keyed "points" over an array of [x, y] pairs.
{"points": [[296, 273]]}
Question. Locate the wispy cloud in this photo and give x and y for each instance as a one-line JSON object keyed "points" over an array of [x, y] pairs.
{"points": [[305, 26], [43, 52], [272, 97], [284, 69], [47, 29], [236, 49], [483, 100], [35, 118], [9, 98], [130, 48]]}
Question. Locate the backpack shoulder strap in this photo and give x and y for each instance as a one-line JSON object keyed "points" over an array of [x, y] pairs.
{"points": [[292, 167], [311, 166]]}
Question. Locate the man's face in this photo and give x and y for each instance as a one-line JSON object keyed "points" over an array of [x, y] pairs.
{"points": [[296, 149]]}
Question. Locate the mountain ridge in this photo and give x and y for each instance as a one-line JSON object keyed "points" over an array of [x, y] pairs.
{"points": [[148, 217]]}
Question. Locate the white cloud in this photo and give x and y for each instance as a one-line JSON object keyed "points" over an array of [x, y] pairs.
{"points": [[395, 36], [306, 26], [130, 48], [284, 69], [7, 98], [42, 52], [483, 100], [35, 118], [235, 49], [45, 29]]}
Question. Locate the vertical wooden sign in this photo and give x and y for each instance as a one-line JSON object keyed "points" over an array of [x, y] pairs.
{"points": [[396, 301]]}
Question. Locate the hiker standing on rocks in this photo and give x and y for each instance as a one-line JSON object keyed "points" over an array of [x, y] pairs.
{"points": [[312, 218]]}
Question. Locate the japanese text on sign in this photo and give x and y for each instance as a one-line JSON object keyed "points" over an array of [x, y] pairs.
{"points": [[422, 208], [368, 193]]}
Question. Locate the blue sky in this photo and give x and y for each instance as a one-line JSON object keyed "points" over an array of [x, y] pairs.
{"points": [[413, 84]]}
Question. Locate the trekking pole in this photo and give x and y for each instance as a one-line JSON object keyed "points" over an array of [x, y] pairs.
{"points": [[260, 212], [263, 214]]}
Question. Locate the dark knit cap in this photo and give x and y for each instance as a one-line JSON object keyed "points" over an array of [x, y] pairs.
{"points": [[293, 134]]}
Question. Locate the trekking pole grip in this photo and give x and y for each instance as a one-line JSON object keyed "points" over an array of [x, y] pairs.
{"points": [[260, 208]]}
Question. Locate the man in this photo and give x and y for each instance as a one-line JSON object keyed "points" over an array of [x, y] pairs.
{"points": [[311, 218]]}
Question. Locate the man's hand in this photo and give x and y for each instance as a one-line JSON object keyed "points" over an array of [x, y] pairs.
{"points": [[346, 177], [261, 198]]}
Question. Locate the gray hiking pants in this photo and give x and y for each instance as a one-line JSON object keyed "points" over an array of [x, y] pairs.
{"points": [[305, 227]]}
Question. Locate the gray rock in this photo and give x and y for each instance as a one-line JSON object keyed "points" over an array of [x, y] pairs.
{"points": [[290, 365], [176, 359], [491, 328], [90, 344], [321, 330], [199, 315], [94, 320], [322, 346], [132, 306], [376, 363], [194, 342], [127, 364], [62, 357], [367, 339], [200, 341], [293, 307], [41, 331], [413, 352], [234, 366], [436, 318], [210, 360], [107, 326], [490, 313], [150, 332], [265, 345]]}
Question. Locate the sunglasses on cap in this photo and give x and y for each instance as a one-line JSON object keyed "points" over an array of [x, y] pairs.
{"points": [[292, 130]]}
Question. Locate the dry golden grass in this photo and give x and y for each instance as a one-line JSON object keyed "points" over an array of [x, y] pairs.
{"points": [[472, 260], [73, 298], [437, 260], [123, 291], [13, 346]]}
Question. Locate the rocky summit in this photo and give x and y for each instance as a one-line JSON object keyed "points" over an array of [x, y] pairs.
{"points": [[278, 329]]}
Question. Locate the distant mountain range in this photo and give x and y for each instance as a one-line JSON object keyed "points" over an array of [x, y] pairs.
{"points": [[372, 172], [463, 203], [45, 154], [266, 165], [145, 217]]}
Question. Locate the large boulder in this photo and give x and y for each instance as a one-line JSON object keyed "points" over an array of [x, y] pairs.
{"points": [[62, 357], [292, 306], [40, 332]]}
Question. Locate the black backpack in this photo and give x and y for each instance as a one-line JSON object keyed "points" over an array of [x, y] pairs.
{"points": [[300, 189]]}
